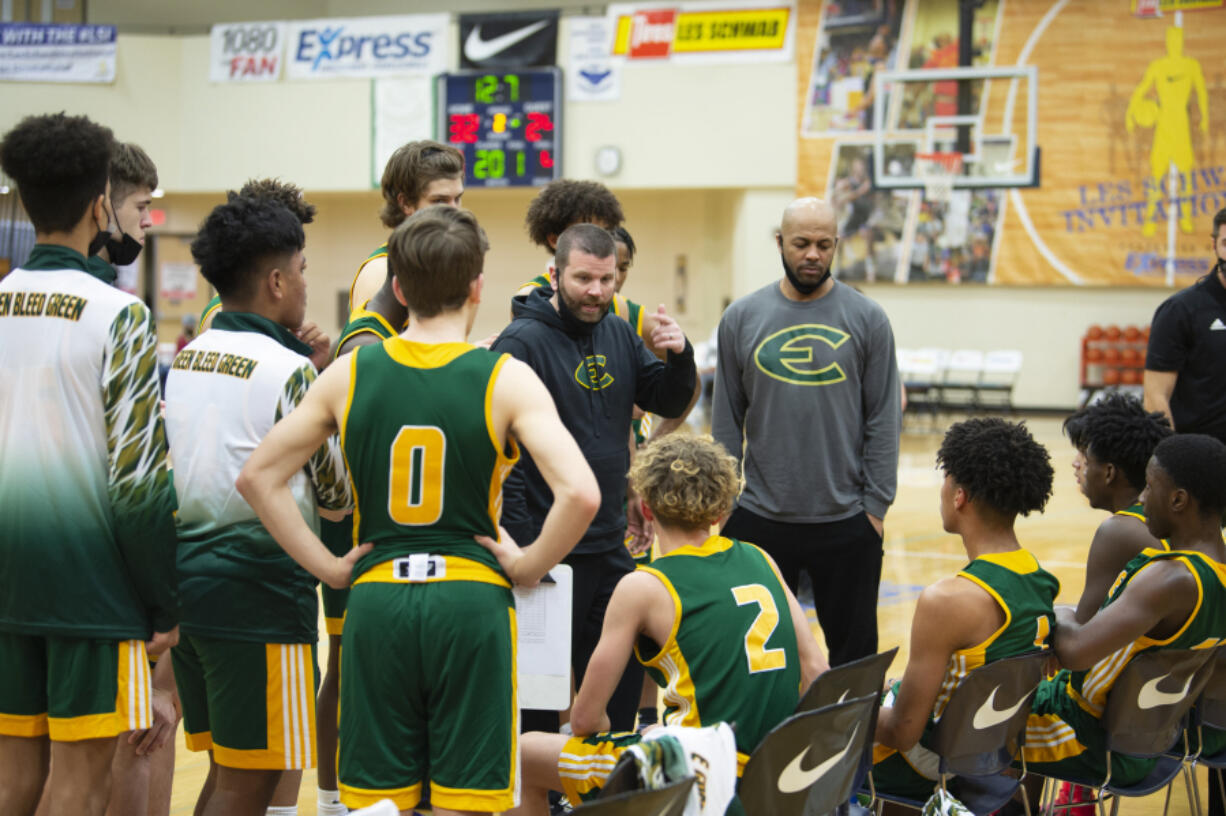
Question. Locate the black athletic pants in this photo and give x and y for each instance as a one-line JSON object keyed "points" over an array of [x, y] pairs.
{"points": [[595, 575], [843, 560]]}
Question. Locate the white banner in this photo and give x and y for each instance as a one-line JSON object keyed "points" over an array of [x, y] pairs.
{"points": [[403, 113], [367, 47], [178, 281], [591, 76], [47, 52], [246, 52]]}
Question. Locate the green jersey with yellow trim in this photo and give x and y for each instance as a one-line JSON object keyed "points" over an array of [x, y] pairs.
{"points": [[424, 460], [1137, 511], [338, 535], [1204, 628], [1026, 592], [210, 309], [378, 252], [732, 654]]}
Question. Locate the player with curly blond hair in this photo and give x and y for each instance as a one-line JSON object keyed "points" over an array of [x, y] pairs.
{"points": [[666, 615]]}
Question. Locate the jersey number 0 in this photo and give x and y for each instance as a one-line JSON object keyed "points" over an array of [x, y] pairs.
{"points": [[415, 481]]}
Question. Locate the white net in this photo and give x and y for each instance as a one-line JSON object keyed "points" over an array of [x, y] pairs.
{"points": [[938, 170]]}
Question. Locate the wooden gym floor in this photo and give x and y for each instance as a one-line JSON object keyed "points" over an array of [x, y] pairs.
{"points": [[917, 552]]}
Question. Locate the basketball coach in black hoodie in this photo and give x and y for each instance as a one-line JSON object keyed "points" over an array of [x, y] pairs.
{"points": [[597, 370]]}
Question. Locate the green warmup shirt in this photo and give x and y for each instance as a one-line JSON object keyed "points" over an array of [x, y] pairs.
{"points": [[87, 541], [225, 391]]}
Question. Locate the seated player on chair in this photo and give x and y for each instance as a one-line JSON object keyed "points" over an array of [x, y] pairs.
{"points": [[1172, 599], [710, 619], [997, 606], [1114, 438]]}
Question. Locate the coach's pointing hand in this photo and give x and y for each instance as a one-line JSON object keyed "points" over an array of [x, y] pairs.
{"points": [[667, 335]]}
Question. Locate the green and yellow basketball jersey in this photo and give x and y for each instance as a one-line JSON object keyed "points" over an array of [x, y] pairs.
{"points": [[1137, 511], [379, 252], [211, 308], [1204, 628], [423, 456], [1026, 592], [732, 656], [364, 321], [338, 535]]}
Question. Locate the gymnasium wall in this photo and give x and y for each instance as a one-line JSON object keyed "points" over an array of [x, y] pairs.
{"points": [[710, 157]]}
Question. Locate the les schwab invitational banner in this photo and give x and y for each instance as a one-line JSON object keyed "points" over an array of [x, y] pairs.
{"points": [[1116, 110]]}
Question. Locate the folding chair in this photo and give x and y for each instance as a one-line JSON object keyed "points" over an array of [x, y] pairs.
{"points": [[1146, 714], [920, 372], [961, 380], [1000, 372], [1208, 713], [808, 763], [858, 678], [981, 731], [666, 801]]}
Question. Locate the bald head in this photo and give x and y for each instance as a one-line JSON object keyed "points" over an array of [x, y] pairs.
{"points": [[808, 235], [808, 212]]}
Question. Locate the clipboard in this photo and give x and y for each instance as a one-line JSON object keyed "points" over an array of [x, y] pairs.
{"points": [[543, 621]]}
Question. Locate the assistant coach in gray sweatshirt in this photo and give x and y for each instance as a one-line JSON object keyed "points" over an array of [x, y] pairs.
{"points": [[807, 397]]}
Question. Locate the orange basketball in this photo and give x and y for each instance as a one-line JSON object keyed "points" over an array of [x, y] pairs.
{"points": [[1094, 333], [1130, 356], [1130, 376], [1132, 334], [1145, 333], [1112, 333], [1111, 354], [1094, 355], [1111, 376]]}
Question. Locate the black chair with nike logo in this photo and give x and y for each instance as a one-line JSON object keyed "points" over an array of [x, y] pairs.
{"points": [[1146, 717], [669, 800], [1208, 715], [858, 678], [980, 734], [808, 763]]}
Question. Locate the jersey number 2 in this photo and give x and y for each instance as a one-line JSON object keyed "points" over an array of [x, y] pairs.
{"points": [[415, 483], [761, 659]]}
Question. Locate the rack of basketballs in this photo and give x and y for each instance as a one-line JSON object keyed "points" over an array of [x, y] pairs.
{"points": [[1111, 356]]}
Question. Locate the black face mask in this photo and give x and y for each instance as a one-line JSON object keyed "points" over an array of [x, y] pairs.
{"points": [[124, 250], [797, 283], [99, 241]]}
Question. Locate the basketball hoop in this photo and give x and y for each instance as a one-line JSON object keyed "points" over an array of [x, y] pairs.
{"points": [[938, 170]]}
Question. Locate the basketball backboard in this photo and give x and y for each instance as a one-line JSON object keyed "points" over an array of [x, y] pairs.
{"points": [[988, 115]]}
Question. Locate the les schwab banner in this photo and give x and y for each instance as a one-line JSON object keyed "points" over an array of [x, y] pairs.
{"points": [[708, 32]]}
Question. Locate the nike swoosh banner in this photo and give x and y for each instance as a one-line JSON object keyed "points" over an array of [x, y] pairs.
{"points": [[517, 39]]}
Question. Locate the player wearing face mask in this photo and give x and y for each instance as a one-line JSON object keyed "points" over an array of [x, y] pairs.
{"points": [[133, 178]]}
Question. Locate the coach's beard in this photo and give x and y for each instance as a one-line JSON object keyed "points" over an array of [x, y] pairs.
{"points": [[797, 283]]}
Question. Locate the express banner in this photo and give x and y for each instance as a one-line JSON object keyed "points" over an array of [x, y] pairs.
{"points": [[363, 47]]}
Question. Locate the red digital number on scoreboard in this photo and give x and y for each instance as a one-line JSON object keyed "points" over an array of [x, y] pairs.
{"points": [[538, 123], [462, 127]]}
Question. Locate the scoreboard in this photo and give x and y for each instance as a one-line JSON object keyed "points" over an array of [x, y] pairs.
{"points": [[507, 125]]}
